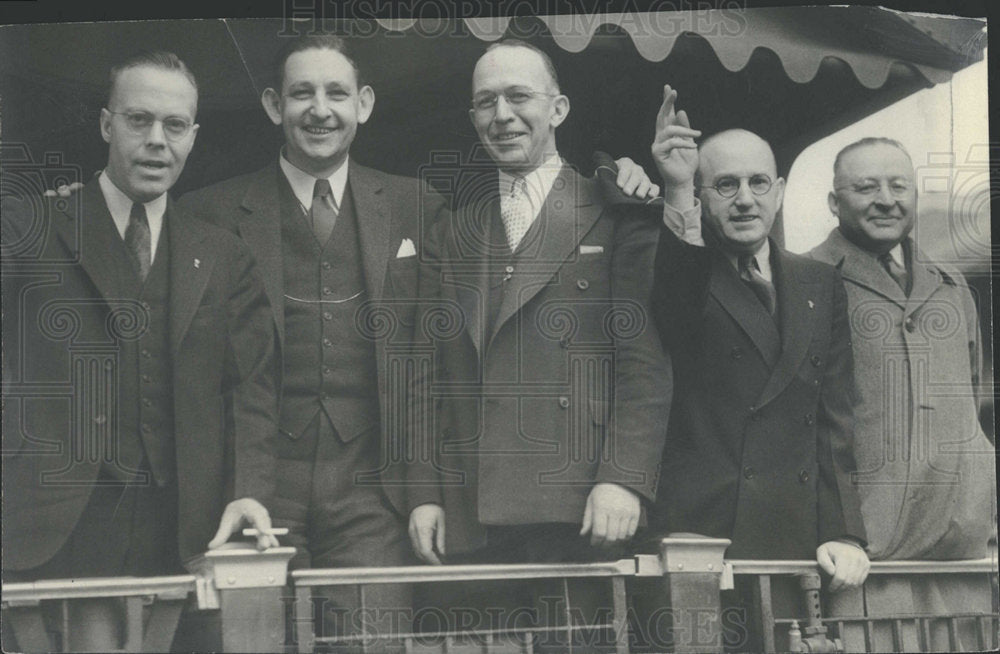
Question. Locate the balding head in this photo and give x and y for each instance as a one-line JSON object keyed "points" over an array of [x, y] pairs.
{"points": [[741, 159]]}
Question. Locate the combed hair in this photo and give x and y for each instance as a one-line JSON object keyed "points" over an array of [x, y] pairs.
{"points": [[315, 42], [154, 59], [546, 60], [865, 142]]}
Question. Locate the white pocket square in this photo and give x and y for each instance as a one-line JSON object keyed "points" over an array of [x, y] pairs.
{"points": [[591, 249], [406, 249]]}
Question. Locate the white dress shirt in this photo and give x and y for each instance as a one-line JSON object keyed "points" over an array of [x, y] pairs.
{"points": [[302, 183]]}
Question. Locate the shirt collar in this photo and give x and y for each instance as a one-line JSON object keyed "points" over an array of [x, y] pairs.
{"points": [[302, 183], [537, 183], [120, 206], [763, 257], [897, 255]]}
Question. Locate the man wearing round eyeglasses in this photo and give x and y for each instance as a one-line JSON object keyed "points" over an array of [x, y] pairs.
{"points": [[926, 469], [126, 468], [759, 441]]}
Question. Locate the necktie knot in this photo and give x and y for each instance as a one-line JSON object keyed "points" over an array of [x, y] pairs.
{"points": [[138, 240], [896, 271], [321, 188], [751, 275]]}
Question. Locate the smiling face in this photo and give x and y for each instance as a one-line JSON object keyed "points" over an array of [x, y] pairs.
{"points": [[875, 198], [743, 221], [519, 136], [319, 107], [146, 164]]}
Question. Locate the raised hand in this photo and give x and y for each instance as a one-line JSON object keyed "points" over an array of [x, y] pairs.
{"points": [[674, 149]]}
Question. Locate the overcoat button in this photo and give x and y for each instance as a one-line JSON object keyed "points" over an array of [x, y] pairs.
{"points": [[910, 325], [748, 472], [582, 284], [808, 419], [736, 352], [803, 476], [564, 402]]}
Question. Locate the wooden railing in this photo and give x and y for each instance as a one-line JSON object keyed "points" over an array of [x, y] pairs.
{"points": [[700, 603]]}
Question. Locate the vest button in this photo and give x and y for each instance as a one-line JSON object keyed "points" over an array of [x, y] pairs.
{"points": [[327, 370], [582, 284], [509, 269], [146, 353], [564, 342], [808, 419], [145, 305], [754, 413], [803, 476], [816, 361], [147, 379], [147, 402], [748, 473], [327, 342], [326, 265], [564, 402], [100, 420], [327, 290], [736, 352], [327, 315]]}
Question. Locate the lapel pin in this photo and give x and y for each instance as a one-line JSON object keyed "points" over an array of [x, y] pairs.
{"points": [[197, 263], [811, 305]]}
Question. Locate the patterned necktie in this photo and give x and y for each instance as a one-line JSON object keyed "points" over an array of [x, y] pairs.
{"points": [[324, 210], [515, 212], [763, 289], [137, 240], [897, 272]]}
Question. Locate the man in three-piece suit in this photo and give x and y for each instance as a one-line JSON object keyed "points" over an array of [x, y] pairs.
{"points": [[139, 373], [759, 445], [335, 241], [926, 471], [552, 390]]}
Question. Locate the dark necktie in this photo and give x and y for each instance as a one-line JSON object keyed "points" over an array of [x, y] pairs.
{"points": [[137, 240], [323, 211], [763, 289], [896, 271]]}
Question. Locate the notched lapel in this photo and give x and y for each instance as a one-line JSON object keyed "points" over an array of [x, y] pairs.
{"points": [[925, 280], [797, 304], [745, 309], [374, 218], [260, 229], [569, 213], [187, 279]]}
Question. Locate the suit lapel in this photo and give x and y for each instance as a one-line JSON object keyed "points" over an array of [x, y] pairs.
{"points": [[745, 309], [91, 236], [796, 292], [467, 269], [374, 218], [191, 261], [862, 268], [260, 229], [925, 281], [569, 212]]}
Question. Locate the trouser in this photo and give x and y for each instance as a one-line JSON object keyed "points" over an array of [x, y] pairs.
{"points": [[336, 522]]}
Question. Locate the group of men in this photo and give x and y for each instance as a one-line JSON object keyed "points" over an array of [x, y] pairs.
{"points": [[173, 371]]}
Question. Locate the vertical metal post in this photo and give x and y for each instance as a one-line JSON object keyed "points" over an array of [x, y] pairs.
{"points": [[692, 569]]}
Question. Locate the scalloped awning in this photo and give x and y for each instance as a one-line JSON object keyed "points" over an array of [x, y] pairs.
{"points": [[870, 40]]}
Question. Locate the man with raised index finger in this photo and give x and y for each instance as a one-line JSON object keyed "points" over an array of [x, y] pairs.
{"points": [[759, 445]]}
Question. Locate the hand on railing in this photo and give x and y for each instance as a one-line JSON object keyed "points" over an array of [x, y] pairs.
{"points": [[245, 511], [427, 532], [611, 515], [846, 563]]}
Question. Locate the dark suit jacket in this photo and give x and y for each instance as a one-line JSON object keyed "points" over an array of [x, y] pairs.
{"points": [[389, 209], [566, 388], [759, 447], [61, 317]]}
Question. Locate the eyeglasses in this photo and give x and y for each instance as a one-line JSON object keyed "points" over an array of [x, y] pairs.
{"points": [[139, 123], [515, 96], [728, 187], [898, 186]]}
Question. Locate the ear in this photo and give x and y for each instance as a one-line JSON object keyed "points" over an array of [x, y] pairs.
{"points": [[106, 117], [831, 200], [560, 110], [194, 133], [272, 104], [366, 103], [779, 186]]}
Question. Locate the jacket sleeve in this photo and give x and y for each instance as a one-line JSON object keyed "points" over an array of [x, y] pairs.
{"points": [[838, 505]]}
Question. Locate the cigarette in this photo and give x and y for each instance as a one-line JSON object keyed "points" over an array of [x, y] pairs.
{"points": [[275, 531]]}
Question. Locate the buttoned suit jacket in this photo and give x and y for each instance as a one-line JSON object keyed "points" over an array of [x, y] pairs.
{"points": [[566, 388], [926, 471], [759, 447], [63, 326], [389, 209]]}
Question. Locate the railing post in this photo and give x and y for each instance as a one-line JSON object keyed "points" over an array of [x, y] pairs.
{"points": [[247, 585], [692, 570]]}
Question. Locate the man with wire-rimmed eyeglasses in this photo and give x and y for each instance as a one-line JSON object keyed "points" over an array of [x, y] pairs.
{"points": [[926, 472], [759, 446]]}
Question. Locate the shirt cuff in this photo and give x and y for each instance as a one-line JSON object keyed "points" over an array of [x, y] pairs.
{"points": [[685, 224]]}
